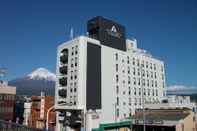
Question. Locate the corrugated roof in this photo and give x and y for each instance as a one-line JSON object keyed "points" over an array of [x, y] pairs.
{"points": [[174, 115]]}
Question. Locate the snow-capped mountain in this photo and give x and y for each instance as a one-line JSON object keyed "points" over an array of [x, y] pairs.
{"points": [[38, 80], [42, 73]]}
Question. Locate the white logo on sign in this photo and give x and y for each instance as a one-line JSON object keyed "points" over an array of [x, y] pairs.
{"points": [[113, 29]]}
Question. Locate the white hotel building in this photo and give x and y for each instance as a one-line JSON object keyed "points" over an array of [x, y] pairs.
{"points": [[103, 77]]}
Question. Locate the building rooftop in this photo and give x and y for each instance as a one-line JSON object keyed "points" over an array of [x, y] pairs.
{"points": [[5, 89], [163, 114]]}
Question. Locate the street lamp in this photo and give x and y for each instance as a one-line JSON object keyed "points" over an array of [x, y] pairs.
{"points": [[47, 121]]}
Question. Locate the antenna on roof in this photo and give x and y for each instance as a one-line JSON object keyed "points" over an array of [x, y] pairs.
{"points": [[71, 33]]}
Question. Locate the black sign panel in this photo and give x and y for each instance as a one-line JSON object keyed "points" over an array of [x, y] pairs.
{"points": [[93, 82], [108, 32]]}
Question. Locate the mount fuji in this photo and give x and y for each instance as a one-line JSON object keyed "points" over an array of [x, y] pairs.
{"points": [[38, 80]]}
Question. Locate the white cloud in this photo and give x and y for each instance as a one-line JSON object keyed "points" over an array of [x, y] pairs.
{"points": [[181, 89]]}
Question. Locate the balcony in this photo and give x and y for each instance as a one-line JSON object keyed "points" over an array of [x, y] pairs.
{"points": [[62, 93], [63, 70], [63, 81]]}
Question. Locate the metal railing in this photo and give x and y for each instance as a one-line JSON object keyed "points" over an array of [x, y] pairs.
{"points": [[9, 126]]}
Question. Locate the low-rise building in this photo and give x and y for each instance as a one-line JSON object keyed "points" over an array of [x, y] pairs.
{"points": [[173, 102], [165, 120], [27, 111], [7, 101], [35, 113]]}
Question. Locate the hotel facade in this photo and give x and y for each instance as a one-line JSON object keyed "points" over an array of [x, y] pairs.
{"points": [[104, 77]]}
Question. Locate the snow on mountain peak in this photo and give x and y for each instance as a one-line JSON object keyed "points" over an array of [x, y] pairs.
{"points": [[42, 73]]}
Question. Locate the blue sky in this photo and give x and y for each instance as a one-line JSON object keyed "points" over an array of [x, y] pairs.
{"points": [[31, 30]]}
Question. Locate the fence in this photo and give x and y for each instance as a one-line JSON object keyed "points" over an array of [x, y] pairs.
{"points": [[9, 126]]}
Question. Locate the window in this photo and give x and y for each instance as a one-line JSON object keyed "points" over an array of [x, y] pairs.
{"points": [[127, 59], [153, 93], [116, 56], [116, 67], [152, 82], [143, 82], [75, 61], [63, 81], [75, 76], [143, 63], [117, 79], [156, 92], [140, 102], [143, 72], [63, 70], [128, 70], [139, 91], [139, 81], [135, 101], [64, 56], [133, 61], [151, 74], [155, 75], [117, 100], [129, 92], [134, 81], [129, 101], [117, 89], [154, 66], [151, 66], [117, 112], [71, 77], [155, 83], [162, 76], [146, 64], [134, 91], [138, 62], [129, 80], [148, 83], [162, 69], [76, 49], [133, 71], [147, 74], [138, 72]]}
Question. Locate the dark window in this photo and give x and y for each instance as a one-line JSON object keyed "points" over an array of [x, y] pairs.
{"points": [[63, 70], [117, 79], [64, 56], [62, 93], [76, 49], [63, 81], [127, 59], [116, 67], [117, 101], [116, 56], [75, 76]]}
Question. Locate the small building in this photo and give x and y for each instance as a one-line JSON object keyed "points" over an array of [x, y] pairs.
{"points": [[35, 114], [7, 101], [165, 120], [172, 102], [27, 111]]}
